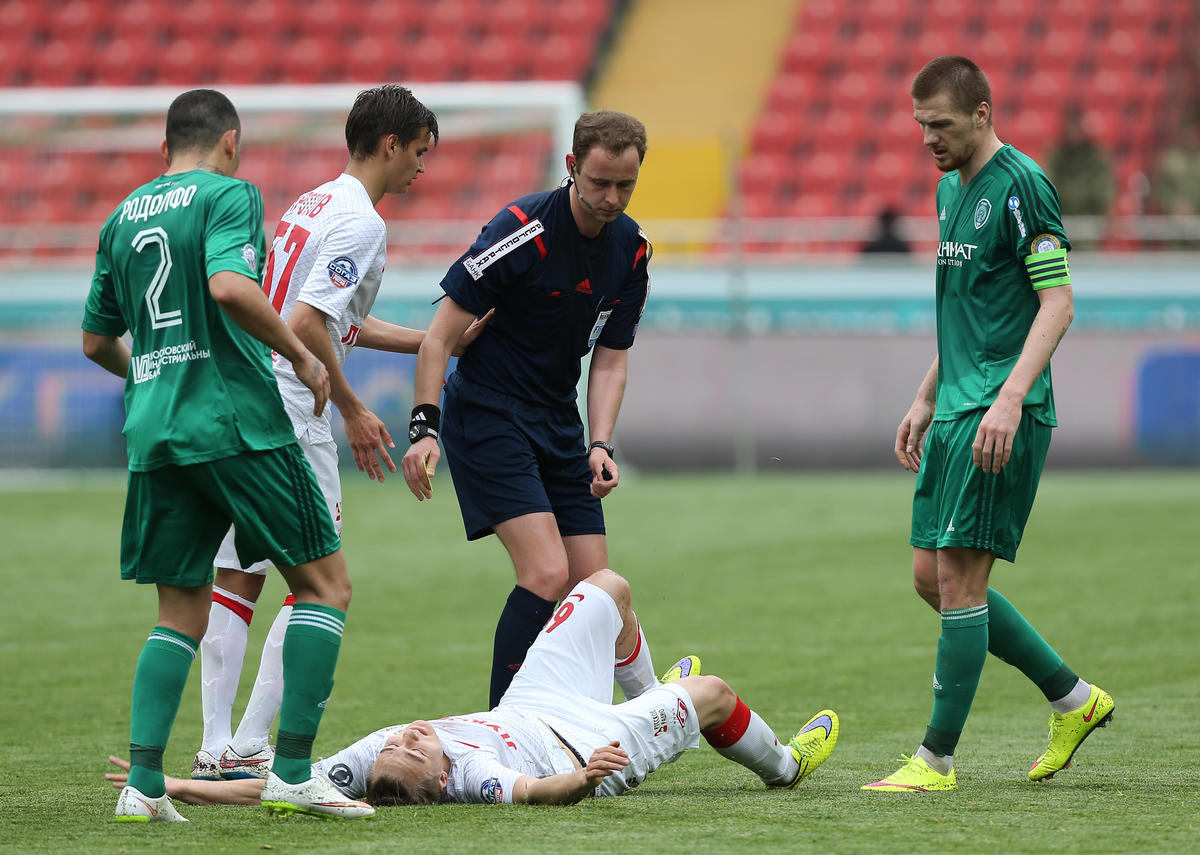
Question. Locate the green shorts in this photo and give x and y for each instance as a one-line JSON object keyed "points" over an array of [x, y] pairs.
{"points": [[957, 504], [176, 516]]}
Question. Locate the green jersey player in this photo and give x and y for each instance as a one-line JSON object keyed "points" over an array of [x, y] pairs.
{"points": [[178, 268], [978, 431]]}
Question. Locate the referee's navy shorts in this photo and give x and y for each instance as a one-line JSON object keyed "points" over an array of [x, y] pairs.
{"points": [[509, 458]]}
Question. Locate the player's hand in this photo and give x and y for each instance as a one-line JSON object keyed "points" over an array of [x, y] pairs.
{"points": [[369, 441], [605, 473], [910, 436], [312, 373], [418, 466], [118, 781], [604, 761], [993, 443], [471, 333]]}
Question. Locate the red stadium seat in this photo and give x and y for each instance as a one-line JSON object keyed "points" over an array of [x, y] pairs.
{"points": [[792, 92]]}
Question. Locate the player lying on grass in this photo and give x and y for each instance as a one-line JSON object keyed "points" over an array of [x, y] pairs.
{"points": [[558, 710]]}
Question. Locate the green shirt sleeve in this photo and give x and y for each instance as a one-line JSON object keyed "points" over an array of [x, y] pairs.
{"points": [[233, 238], [102, 314], [1038, 232]]}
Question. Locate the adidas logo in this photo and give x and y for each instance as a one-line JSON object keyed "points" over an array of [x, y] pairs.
{"points": [[942, 215], [584, 287]]}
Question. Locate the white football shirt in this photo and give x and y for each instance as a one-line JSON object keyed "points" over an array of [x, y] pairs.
{"points": [[329, 252], [488, 751]]}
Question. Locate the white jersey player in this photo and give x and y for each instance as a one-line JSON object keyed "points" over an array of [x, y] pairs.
{"points": [[323, 274], [557, 712]]}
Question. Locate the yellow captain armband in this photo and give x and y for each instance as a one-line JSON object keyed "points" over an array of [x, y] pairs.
{"points": [[1047, 266]]}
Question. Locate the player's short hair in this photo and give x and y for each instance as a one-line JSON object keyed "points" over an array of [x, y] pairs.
{"points": [[197, 119], [386, 789], [612, 131], [387, 109], [958, 77]]}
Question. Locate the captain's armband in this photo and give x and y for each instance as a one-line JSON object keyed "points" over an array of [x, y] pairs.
{"points": [[1047, 266]]}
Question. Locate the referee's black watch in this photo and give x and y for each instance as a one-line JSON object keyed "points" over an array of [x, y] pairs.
{"points": [[419, 430], [608, 449]]}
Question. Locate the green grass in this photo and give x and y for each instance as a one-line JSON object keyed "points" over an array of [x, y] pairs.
{"points": [[796, 589]]}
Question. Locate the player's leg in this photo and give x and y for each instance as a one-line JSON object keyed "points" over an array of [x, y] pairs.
{"points": [[169, 535], [280, 515], [953, 505], [540, 561], [492, 447], [222, 653], [634, 668], [740, 734], [250, 750], [252, 739]]}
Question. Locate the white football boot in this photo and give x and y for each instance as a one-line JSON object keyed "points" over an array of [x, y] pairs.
{"points": [[315, 797], [132, 806]]}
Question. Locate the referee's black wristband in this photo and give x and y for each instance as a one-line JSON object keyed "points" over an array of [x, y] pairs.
{"points": [[608, 449], [426, 421]]}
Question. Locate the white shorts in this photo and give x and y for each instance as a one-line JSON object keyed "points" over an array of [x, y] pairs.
{"points": [[323, 458], [567, 682]]}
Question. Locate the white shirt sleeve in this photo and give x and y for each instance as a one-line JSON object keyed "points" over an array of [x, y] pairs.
{"points": [[478, 777], [349, 249]]}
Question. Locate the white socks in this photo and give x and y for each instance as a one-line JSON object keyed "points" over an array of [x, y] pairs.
{"points": [[1073, 699], [635, 674], [222, 651], [254, 731]]}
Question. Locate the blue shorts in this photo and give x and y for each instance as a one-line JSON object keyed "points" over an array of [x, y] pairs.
{"points": [[509, 458]]}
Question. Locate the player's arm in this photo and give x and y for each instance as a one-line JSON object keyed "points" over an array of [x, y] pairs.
{"points": [[606, 389], [381, 335], [570, 787], [449, 323], [246, 791], [910, 436], [994, 439], [240, 297], [368, 436], [110, 352]]}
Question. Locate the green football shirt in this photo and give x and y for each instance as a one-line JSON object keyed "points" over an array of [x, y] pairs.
{"points": [[1000, 241], [199, 387]]}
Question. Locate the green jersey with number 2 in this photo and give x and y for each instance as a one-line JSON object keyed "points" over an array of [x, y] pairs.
{"points": [[1001, 240], [199, 388]]}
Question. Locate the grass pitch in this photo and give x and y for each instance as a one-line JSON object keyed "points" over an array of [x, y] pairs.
{"points": [[794, 588]]}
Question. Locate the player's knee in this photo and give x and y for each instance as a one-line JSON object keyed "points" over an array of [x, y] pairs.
{"points": [[615, 585], [925, 581], [546, 581], [713, 698]]}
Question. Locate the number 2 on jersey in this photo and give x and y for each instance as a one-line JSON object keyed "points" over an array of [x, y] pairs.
{"points": [[291, 248]]}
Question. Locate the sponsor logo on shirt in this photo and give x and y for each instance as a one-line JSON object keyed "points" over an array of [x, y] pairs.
{"points": [[343, 272], [147, 366], [658, 718], [1014, 205], [952, 253], [982, 211], [1045, 243], [492, 791], [476, 265]]}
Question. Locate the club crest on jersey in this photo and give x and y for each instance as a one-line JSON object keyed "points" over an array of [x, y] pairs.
{"points": [[492, 791], [250, 255], [343, 272], [982, 211], [340, 775], [1045, 243]]}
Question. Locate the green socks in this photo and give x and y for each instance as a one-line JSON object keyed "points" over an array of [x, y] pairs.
{"points": [[158, 682], [1013, 639], [310, 652], [962, 650]]}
